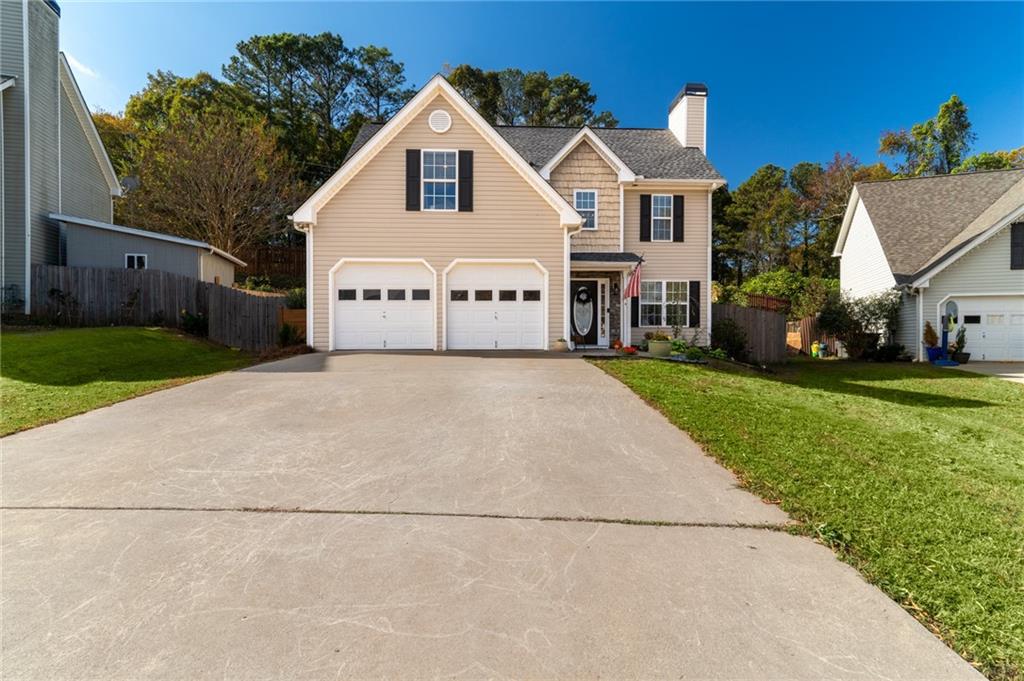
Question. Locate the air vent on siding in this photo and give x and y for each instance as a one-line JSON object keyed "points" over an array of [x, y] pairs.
{"points": [[439, 120]]}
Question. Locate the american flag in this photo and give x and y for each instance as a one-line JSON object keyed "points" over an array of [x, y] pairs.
{"points": [[633, 287]]}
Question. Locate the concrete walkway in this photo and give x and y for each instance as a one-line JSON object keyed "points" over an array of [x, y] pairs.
{"points": [[350, 516]]}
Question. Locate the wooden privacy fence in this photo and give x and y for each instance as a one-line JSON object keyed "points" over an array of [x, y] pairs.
{"points": [[802, 334], [95, 296], [766, 330], [287, 261], [766, 302]]}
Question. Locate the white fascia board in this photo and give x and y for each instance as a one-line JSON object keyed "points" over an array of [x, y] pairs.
{"points": [[307, 212], [669, 183], [227, 256], [922, 280], [8, 81], [602, 149], [67, 79], [844, 231]]}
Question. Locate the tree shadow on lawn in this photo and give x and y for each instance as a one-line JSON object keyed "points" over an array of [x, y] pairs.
{"points": [[850, 378]]}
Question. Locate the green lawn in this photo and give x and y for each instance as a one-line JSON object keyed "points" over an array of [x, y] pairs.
{"points": [[46, 376], [913, 474]]}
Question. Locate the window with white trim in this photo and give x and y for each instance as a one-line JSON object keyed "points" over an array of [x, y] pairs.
{"points": [[661, 217], [135, 261], [664, 303], [440, 179], [585, 203]]}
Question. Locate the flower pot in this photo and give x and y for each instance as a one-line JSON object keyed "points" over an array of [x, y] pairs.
{"points": [[961, 357], [560, 346], [934, 354], [659, 348]]}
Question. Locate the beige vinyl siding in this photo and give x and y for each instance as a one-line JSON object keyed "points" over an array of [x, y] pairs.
{"points": [[983, 270], [669, 260], [43, 123], [212, 266], [695, 108], [13, 209], [84, 189], [584, 168], [367, 219]]}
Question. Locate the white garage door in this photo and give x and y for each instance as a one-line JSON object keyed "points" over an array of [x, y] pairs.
{"points": [[496, 307], [995, 327], [383, 306]]}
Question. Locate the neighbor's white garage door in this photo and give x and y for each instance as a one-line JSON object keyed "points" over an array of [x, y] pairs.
{"points": [[995, 327], [383, 306], [496, 307]]}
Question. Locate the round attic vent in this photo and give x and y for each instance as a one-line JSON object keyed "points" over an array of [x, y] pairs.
{"points": [[439, 120]]}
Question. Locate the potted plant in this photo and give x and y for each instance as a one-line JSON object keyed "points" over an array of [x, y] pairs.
{"points": [[959, 355], [560, 345], [659, 345], [931, 342]]}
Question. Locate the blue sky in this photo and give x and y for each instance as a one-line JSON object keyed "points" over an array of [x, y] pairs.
{"points": [[787, 82]]}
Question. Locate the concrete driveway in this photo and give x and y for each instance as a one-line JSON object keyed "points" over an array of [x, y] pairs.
{"points": [[354, 516], [1008, 371]]}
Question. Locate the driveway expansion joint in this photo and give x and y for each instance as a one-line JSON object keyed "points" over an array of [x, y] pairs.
{"points": [[775, 527]]}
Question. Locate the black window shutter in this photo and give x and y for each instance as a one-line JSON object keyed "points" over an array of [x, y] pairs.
{"points": [[412, 179], [1017, 246], [645, 217], [634, 312], [465, 181], [694, 303], [677, 217]]}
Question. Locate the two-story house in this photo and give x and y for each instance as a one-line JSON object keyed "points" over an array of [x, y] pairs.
{"points": [[441, 231]]}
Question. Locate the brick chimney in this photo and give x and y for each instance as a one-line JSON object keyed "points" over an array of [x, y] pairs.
{"points": [[687, 116]]}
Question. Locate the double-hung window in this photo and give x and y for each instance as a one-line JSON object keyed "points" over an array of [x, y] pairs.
{"points": [[661, 217], [135, 261], [440, 180], [663, 303], [585, 203]]}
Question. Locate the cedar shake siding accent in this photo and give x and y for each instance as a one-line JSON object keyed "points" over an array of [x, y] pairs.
{"points": [[368, 218], [671, 260], [583, 168]]}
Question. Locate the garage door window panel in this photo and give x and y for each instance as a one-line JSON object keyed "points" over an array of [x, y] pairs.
{"points": [[346, 294], [396, 294], [371, 294], [531, 296], [460, 296], [508, 296], [483, 294], [421, 294]]}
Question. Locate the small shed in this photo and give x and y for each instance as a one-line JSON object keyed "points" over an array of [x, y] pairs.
{"points": [[89, 243]]}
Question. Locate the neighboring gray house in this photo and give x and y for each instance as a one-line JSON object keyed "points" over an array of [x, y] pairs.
{"points": [[941, 239], [91, 243], [52, 157]]}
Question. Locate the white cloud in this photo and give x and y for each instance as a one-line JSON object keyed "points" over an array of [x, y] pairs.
{"points": [[79, 68]]}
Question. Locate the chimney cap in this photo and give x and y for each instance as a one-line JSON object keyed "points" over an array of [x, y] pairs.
{"points": [[689, 90]]}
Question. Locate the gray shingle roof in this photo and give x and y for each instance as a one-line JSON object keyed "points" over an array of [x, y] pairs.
{"points": [[614, 256], [651, 152], [919, 219]]}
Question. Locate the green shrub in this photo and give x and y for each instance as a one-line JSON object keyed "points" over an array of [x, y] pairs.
{"points": [[694, 352], [258, 283], [195, 324], [730, 337], [296, 299], [288, 335]]}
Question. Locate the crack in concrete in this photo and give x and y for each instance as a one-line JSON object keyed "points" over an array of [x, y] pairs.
{"points": [[775, 527]]}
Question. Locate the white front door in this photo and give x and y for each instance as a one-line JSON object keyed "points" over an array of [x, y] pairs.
{"points": [[994, 326], [383, 306], [495, 306]]}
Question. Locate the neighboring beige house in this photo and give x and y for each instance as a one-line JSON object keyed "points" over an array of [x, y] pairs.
{"points": [[443, 232], [945, 241]]}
